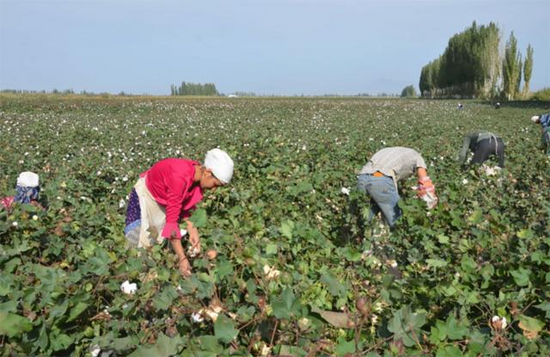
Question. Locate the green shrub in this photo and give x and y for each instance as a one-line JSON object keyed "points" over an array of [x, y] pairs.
{"points": [[542, 95]]}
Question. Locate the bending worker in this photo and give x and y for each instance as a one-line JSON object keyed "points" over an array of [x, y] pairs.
{"points": [[544, 121], [28, 191], [483, 144], [168, 191], [379, 177]]}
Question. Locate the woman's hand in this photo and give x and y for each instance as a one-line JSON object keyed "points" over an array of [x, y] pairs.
{"points": [[194, 238], [185, 267], [183, 263]]}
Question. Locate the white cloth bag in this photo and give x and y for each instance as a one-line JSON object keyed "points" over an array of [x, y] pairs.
{"points": [[153, 216]]}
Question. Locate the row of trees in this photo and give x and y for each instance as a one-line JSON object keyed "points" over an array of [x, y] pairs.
{"points": [[472, 66], [208, 89]]}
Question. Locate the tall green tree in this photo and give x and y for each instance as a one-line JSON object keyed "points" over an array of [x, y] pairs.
{"points": [[469, 66], [511, 68], [408, 91], [527, 69], [491, 61]]}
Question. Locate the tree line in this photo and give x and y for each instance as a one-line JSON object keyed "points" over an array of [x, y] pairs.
{"points": [[472, 66], [207, 89]]}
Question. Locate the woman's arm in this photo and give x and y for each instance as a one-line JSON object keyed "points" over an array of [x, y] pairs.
{"points": [[184, 266]]}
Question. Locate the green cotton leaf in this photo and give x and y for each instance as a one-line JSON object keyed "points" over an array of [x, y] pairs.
{"points": [[271, 249], [124, 343], [521, 276], [61, 342], [224, 329], [286, 229], [545, 306], [6, 283], [333, 284], [13, 325], [49, 277], [11, 265], [454, 330], [189, 286], [525, 234], [164, 347], [78, 309], [477, 341], [449, 351], [345, 347], [468, 264], [198, 218], [210, 344], [438, 332], [43, 339], [530, 324], [285, 306], [165, 298], [224, 268], [305, 187], [59, 310], [287, 350], [436, 263], [351, 254], [405, 325], [99, 263], [476, 216], [9, 306]]}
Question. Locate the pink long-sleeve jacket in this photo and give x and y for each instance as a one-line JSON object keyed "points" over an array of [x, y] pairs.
{"points": [[171, 183]]}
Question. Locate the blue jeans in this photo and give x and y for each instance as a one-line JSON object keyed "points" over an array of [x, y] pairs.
{"points": [[384, 196], [546, 140]]}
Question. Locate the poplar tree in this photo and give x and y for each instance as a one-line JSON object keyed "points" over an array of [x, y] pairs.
{"points": [[469, 66], [527, 69], [511, 68]]}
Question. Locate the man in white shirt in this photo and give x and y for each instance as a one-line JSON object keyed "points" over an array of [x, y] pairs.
{"points": [[379, 178]]}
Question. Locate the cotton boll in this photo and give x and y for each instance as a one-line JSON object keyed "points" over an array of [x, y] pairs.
{"points": [[197, 317], [193, 252], [128, 288], [95, 350]]}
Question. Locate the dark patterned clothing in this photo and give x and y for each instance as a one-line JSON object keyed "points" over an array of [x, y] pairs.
{"points": [[133, 219], [27, 194]]}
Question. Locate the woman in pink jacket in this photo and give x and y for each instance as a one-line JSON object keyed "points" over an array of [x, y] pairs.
{"points": [[166, 194]]}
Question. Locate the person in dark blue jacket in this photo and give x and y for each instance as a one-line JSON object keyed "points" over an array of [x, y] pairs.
{"points": [[544, 121]]}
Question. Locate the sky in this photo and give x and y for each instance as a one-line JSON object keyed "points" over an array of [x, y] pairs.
{"points": [[276, 47]]}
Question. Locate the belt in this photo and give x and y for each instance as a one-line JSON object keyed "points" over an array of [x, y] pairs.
{"points": [[378, 174]]}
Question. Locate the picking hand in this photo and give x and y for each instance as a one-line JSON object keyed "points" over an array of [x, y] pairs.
{"points": [[185, 268], [426, 192], [195, 240]]}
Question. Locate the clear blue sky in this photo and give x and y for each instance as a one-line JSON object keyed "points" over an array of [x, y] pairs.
{"points": [[268, 47]]}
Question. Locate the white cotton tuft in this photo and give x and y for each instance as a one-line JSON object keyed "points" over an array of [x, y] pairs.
{"points": [[128, 288]]}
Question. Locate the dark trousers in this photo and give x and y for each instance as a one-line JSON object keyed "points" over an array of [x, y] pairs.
{"points": [[488, 147]]}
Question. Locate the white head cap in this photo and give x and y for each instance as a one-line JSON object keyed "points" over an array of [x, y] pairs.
{"points": [[27, 179], [220, 163], [535, 118]]}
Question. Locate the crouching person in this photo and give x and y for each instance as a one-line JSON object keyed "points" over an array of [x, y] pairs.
{"points": [[170, 189], [483, 144], [28, 191], [379, 178], [544, 121]]}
